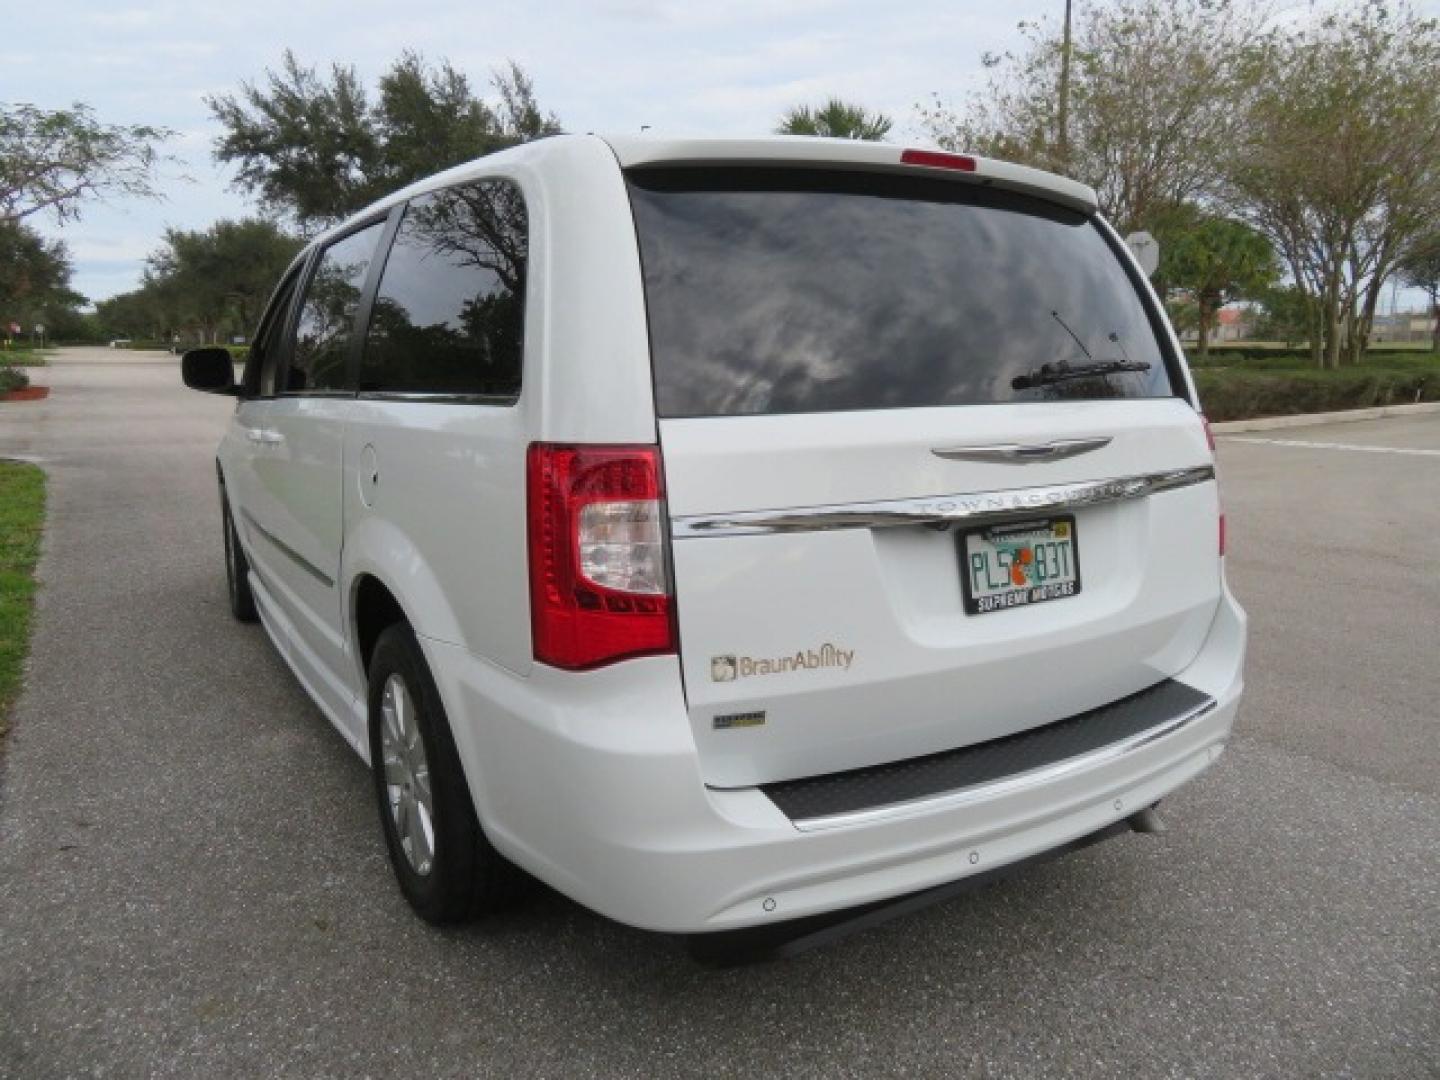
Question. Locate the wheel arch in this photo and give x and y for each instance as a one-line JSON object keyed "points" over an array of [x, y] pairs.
{"points": [[388, 579], [373, 607]]}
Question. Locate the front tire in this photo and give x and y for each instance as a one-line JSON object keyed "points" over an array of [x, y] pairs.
{"points": [[445, 866], [237, 567]]}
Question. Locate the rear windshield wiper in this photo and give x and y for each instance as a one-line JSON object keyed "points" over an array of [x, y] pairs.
{"points": [[1046, 374]]}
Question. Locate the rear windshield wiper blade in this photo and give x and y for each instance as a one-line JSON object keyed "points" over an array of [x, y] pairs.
{"points": [[1046, 374]]}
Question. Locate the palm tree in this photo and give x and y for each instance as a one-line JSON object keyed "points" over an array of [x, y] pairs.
{"points": [[836, 119]]}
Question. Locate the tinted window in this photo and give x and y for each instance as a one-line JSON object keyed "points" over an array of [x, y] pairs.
{"points": [[450, 311], [327, 317], [785, 291]]}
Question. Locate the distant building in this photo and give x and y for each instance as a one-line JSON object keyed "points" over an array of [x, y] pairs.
{"points": [[1231, 324]]}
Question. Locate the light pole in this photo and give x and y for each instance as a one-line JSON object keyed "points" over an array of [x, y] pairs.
{"points": [[1062, 140]]}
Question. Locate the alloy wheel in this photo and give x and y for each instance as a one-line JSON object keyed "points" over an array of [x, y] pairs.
{"points": [[407, 775]]}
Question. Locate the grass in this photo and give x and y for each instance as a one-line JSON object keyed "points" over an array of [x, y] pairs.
{"points": [[1238, 385], [23, 357], [22, 512]]}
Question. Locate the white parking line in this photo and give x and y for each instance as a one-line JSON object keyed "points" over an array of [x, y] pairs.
{"points": [[1333, 446]]}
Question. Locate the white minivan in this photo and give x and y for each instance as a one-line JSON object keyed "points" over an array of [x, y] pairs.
{"points": [[733, 532]]}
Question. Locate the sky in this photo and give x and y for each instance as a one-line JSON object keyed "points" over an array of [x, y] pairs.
{"points": [[720, 67]]}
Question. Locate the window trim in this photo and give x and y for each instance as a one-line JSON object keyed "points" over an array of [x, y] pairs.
{"points": [[276, 315], [393, 217], [367, 304], [313, 259], [1176, 368]]}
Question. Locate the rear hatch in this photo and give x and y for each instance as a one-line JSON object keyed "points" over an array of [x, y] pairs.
{"points": [[931, 473]]}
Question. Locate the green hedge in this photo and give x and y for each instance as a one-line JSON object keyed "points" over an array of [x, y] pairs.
{"points": [[25, 357], [239, 352], [1287, 359], [1238, 394], [1221, 355]]}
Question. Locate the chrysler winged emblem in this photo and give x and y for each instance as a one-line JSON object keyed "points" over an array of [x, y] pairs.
{"points": [[1019, 454]]}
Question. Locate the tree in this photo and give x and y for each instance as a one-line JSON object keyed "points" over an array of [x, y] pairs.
{"points": [[34, 277], [1151, 108], [1421, 270], [1214, 260], [317, 148], [30, 266], [140, 313], [52, 161], [219, 278], [836, 119], [1285, 315], [204, 284], [1339, 159]]}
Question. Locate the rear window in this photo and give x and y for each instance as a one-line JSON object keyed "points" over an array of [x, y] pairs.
{"points": [[790, 291]]}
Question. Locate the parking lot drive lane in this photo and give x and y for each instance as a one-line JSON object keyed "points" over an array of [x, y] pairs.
{"points": [[192, 883]]}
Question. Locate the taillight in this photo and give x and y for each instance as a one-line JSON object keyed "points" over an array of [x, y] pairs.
{"points": [[938, 159], [599, 586]]}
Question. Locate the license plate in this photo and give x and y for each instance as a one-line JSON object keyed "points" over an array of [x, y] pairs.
{"points": [[1019, 564]]}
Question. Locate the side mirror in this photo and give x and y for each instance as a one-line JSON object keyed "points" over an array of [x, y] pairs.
{"points": [[211, 370]]}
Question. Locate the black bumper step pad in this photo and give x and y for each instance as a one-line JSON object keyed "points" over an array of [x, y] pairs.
{"points": [[983, 763]]}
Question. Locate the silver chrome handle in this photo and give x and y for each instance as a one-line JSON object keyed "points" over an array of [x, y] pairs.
{"points": [[970, 507]]}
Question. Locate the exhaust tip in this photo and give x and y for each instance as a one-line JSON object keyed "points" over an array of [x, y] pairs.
{"points": [[1147, 820]]}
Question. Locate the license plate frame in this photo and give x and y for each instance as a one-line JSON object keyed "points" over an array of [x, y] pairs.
{"points": [[1034, 592]]}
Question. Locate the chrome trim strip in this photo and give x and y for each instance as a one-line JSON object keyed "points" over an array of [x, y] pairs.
{"points": [[1011, 784], [1020, 454], [937, 509], [286, 550], [433, 397]]}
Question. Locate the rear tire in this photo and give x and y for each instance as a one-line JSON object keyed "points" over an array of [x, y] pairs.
{"points": [[445, 866], [237, 567]]}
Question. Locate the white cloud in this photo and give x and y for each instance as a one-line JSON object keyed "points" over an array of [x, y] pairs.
{"points": [[124, 19], [117, 250]]}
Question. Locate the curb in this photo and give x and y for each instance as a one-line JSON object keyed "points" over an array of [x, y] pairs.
{"points": [[1271, 423]]}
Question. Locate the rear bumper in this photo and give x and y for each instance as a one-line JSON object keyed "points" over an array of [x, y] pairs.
{"points": [[592, 784]]}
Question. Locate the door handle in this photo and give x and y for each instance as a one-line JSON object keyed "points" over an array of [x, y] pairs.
{"points": [[254, 435], [271, 438]]}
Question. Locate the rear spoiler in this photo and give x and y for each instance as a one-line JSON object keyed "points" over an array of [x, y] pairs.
{"points": [[635, 151]]}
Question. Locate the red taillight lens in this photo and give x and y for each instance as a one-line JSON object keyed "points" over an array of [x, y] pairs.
{"points": [[599, 587], [938, 159]]}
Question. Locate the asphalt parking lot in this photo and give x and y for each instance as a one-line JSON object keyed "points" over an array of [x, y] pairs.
{"points": [[192, 881]]}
